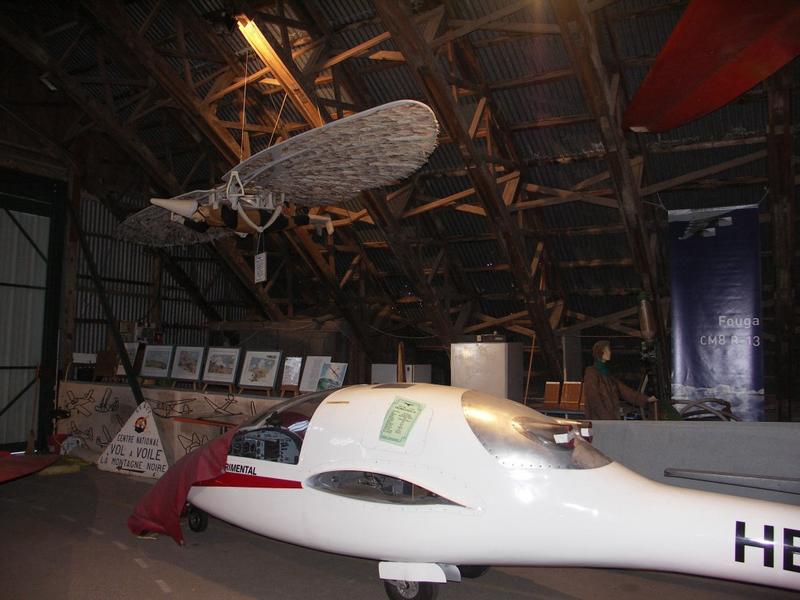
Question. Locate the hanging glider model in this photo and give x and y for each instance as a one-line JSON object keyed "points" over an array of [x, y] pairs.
{"points": [[326, 165], [437, 483]]}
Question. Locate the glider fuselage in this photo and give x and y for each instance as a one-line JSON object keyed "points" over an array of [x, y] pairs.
{"points": [[473, 480]]}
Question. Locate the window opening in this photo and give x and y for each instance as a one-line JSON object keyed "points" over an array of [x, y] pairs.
{"points": [[375, 487]]}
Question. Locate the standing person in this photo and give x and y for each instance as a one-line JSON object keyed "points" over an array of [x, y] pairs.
{"points": [[601, 392]]}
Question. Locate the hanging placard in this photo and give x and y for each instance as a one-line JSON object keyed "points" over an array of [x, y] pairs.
{"points": [[716, 307], [261, 267]]}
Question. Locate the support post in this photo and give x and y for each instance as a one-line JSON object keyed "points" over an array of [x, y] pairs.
{"points": [[781, 204], [48, 369], [119, 344]]}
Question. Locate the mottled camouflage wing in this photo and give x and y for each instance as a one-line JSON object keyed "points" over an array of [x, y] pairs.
{"points": [[153, 226], [333, 163]]}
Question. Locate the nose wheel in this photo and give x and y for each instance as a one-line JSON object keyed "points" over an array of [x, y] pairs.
{"points": [[198, 520], [410, 590]]}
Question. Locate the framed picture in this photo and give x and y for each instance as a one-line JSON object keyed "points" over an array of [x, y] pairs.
{"points": [[188, 362], [331, 376], [311, 372], [132, 348], [221, 365], [156, 361], [260, 369], [291, 371]]}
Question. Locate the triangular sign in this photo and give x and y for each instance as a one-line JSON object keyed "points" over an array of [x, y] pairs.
{"points": [[137, 448]]}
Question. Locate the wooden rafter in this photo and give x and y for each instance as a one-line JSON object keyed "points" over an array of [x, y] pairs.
{"points": [[113, 17], [581, 44], [705, 172], [377, 210], [96, 111], [504, 151], [426, 70], [111, 14]]}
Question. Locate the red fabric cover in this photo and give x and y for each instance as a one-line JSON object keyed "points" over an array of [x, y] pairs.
{"points": [[14, 466], [717, 51], [160, 509]]}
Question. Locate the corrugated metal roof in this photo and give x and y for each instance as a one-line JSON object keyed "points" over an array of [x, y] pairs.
{"points": [[638, 38], [390, 85], [338, 13], [560, 98], [522, 56]]}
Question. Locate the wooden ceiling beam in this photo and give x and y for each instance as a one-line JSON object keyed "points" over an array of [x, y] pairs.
{"points": [[530, 80], [701, 173], [581, 45], [427, 71], [382, 217], [587, 322], [376, 208], [492, 21], [429, 20], [101, 115], [113, 18], [525, 27], [269, 17]]}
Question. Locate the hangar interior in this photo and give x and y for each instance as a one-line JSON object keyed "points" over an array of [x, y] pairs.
{"points": [[543, 222], [537, 220]]}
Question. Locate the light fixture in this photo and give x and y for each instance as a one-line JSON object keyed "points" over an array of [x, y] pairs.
{"points": [[45, 79], [249, 29]]}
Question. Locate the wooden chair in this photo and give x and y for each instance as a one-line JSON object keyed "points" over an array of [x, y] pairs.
{"points": [[552, 392], [571, 396]]}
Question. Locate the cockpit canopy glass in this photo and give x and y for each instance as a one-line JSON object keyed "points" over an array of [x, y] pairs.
{"points": [[294, 413], [277, 434], [522, 438]]}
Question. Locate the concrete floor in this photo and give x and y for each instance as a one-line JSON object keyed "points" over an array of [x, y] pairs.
{"points": [[64, 536]]}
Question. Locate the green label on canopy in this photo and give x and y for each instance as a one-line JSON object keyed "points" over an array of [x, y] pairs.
{"points": [[399, 420]]}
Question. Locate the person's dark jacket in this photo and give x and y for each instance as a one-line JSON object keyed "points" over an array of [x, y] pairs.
{"points": [[600, 395]]}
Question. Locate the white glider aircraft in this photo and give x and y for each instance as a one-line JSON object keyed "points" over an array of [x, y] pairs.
{"points": [[438, 482]]}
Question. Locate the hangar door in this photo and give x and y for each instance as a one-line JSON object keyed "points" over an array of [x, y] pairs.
{"points": [[23, 278], [31, 252]]}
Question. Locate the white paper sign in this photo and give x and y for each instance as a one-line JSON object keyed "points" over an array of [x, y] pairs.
{"points": [[137, 448], [312, 372], [261, 267]]}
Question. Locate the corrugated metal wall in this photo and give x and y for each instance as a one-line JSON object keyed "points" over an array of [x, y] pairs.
{"points": [[127, 273], [22, 279]]}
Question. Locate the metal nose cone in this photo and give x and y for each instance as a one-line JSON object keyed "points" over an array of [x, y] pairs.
{"points": [[184, 208]]}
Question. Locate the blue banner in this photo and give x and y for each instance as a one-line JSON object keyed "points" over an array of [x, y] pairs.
{"points": [[716, 307]]}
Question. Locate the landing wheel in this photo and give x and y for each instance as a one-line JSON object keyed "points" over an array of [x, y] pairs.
{"points": [[472, 571], [198, 520], [410, 590]]}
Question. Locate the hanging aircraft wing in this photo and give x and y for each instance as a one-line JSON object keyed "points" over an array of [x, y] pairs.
{"points": [[154, 226], [718, 50], [335, 162]]}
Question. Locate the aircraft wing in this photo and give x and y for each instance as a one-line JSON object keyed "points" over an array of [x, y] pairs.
{"points": [[718, 50], [154, 226], [333, 163]]}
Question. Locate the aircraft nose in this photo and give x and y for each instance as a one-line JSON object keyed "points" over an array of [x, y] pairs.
{"points": [[184, 208]]}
